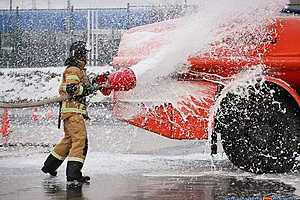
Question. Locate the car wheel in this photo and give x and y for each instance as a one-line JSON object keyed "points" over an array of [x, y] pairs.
{"points": [[260, 130]]}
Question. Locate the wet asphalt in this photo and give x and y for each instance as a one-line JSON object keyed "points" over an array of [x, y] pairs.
{"points": [[128, 163], [135, 180]]}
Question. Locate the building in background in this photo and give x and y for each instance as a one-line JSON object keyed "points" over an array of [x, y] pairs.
{"points": [[41, 37], [293, 6]]}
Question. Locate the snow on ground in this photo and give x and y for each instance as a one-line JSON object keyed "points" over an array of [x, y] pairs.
{"points": [[34, 83]]}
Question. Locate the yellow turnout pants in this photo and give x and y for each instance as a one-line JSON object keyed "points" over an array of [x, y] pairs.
{"points": [[74, 144]]}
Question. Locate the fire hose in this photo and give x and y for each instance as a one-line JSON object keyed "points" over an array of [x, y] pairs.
{"points": [[121, 80], [30, 104]]}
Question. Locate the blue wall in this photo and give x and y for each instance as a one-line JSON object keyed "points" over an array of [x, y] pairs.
{"points": [[54, 20]]}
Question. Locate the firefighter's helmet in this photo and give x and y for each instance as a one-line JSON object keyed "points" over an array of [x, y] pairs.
{"points": [[79, 50]]}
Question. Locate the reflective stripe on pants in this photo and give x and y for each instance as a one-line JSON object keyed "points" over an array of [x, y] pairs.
{"points": [[74, 144]]}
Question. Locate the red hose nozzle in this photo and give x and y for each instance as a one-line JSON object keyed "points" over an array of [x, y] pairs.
{"points": [[121, 80]]}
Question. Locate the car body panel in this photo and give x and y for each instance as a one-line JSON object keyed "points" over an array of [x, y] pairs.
{"points": [[188, 115], [184, 116]]}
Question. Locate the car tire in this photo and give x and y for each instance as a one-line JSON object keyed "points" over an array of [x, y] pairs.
{"points": [[260, 129]]}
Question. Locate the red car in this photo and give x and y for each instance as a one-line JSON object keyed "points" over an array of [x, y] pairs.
{"points": [[245, 96]]}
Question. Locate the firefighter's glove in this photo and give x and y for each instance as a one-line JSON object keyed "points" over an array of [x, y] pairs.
{"points": [[90, 89], [101, 82], [101, 79], [71, 89]]}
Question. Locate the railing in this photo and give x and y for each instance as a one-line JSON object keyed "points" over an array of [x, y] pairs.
{"points": [[43, 40]]}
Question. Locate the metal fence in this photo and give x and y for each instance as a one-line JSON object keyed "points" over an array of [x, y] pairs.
{"points": [[41, 38]]}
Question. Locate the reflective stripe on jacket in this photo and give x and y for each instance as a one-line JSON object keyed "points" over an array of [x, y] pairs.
{"points": [[74, 75]]}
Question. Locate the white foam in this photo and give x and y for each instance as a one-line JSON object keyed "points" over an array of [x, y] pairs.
{"points": [[196, 31], [214, 21]]}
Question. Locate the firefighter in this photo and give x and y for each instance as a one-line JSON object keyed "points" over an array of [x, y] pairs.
{"points": [[74, 145]]}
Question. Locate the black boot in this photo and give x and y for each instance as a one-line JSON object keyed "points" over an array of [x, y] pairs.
{"points": [[51, 165], [74, 172]]}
